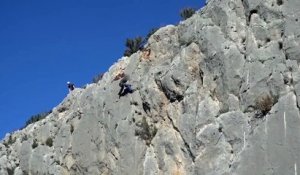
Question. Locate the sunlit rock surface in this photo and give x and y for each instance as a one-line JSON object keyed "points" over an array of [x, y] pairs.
{"points": [[218, 94]]}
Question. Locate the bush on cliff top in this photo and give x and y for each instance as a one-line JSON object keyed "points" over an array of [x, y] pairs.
{"points": [[187, 13], [37, 117], [133, 45]]}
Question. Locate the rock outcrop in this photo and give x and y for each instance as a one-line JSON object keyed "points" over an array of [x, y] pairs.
{"points": [[218, 94]]}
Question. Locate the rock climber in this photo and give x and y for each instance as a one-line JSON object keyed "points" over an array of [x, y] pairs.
{"points": [[125, 87], [71, 86]]}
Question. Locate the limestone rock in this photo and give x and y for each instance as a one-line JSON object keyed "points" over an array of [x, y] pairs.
{"points": [[217, 94]]}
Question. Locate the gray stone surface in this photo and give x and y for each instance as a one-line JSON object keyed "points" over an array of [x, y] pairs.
{"points": [[218, 94]]}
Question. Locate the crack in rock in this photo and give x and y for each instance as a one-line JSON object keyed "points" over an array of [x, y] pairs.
{"points": [[193, 157]]}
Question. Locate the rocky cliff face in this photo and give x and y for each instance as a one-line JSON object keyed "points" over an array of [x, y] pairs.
{"points": [[217, 94]]}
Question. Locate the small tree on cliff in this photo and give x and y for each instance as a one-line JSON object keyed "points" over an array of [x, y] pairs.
{"points": [[150, 33], [37, 117], [133, 45], [187, 13]]}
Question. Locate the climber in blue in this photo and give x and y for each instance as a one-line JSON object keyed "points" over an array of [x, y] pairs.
{"points": [[125, 87], [71, 86]]}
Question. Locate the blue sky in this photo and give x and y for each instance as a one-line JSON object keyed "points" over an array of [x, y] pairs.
{"points": [[44, 44]]}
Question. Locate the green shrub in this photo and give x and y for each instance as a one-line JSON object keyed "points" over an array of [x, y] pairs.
{"points": [[145, 132], [49, 142], [34, 144], [279, 2], [24, 138], [133, 45], [37, 117], [187, 13], [71, 128], [265, 103], [62, 109], [11, 140]]}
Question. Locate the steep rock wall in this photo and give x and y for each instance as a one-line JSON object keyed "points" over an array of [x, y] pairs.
{"points": [[217, 94]]}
